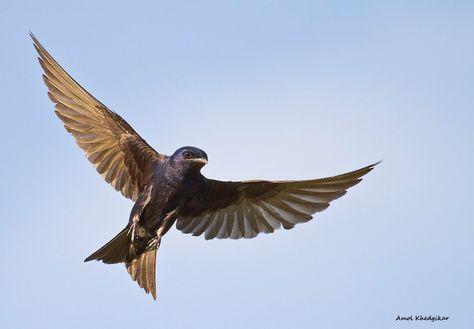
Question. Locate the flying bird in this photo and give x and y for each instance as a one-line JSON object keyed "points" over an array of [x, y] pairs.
{"points": [[171, 189]]}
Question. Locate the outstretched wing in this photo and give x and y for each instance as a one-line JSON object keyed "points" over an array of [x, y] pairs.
{"points": [[244, 209], [118, 153]]}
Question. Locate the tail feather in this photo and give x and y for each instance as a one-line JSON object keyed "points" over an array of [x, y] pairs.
{"points": [[115, 251], [142, 270], [121, 250]]}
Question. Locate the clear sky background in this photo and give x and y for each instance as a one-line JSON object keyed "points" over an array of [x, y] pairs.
{"points": [[270, 90]]}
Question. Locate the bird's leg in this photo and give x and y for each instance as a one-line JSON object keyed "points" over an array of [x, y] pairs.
{"points": [[133, 226], [155, 242], [162, 229], [131, 231], [137, 210]]}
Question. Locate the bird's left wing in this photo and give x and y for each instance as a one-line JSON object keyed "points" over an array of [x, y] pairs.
{"points": [[244, 209], [118, 153]]}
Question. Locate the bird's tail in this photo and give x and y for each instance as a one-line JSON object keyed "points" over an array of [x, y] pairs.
{"points": [[116, 250], [121, 250], [142, 270]]}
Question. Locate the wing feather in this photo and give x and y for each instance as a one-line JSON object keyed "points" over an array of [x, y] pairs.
{"points": [[117, 152], [244, 209]]}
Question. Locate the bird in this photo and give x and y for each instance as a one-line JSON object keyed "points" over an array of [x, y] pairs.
{"points": [[171, 190]]}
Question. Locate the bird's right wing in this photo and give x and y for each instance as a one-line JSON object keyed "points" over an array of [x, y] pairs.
{"points": [[118, 153], [244, 209]]}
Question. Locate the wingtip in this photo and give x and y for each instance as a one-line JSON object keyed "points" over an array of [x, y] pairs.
{"points": [[37, 45], [32, 36], [376, 163]]}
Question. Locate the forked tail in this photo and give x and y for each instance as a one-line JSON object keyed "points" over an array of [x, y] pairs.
{"points": [[142, 270], [116, 250], [140, 267]]}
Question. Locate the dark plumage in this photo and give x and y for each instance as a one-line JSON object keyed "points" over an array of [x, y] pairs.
{"points": [[171, 189]]}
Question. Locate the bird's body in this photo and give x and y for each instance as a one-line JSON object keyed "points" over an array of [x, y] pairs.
{"points": [[173, 183], [171, 189]]}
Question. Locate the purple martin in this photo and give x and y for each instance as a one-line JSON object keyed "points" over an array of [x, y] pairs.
{"points": [[171, 189]]}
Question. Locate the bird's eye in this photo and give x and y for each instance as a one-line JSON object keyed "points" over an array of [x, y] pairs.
{"points": [[187, 154]]}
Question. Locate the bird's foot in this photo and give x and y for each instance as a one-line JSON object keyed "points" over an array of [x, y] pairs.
{"points": [[155, 242]]}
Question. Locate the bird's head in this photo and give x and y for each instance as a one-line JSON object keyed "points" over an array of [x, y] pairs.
{"points": [[189, 158]]}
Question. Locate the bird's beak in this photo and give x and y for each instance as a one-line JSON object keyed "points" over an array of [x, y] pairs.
{"points": [[199, 160]]}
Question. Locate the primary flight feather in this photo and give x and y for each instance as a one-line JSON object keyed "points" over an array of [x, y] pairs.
{"points": [[171, 189]]}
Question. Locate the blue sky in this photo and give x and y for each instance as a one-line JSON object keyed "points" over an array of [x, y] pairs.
{"points": [[270, 90]]}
